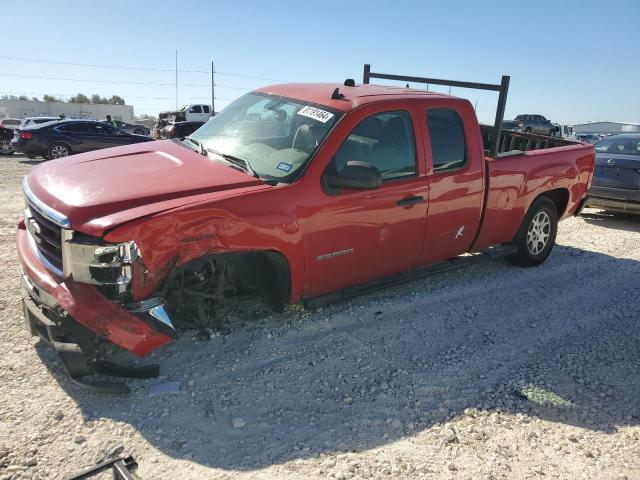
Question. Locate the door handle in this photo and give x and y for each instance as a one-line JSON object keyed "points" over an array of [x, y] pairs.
{"points": [[410, 201]]}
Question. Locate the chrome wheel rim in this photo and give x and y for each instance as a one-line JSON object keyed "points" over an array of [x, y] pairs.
{"points": [[59, 151], [538, 232], [5, 147]]}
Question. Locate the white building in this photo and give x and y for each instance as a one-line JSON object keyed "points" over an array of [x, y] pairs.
{"points": [[607, 127], [32, 108]]}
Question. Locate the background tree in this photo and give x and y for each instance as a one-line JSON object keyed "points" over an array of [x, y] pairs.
{"points": [[79, 98], [147, 120], [116, 100], [49, 98], [95, 98]]}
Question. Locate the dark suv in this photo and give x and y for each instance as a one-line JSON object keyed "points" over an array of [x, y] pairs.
{"points": [[616, 179], [60, 139], [535, 124]]}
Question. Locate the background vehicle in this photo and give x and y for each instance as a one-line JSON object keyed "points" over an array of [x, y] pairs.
{"points": [[564, 131], [6, 134], [66, 137], [37, 120], [535, 124], [616, 181], [133, 128], [298, 191], [179, 129], [10, 123], [512, 125], [188, 113], [588, 138]]}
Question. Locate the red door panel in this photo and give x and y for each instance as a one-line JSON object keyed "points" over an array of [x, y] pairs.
{"points": [[360, 236]]}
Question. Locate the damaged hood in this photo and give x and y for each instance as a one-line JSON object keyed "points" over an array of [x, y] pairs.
{"points": [[124, 183]]}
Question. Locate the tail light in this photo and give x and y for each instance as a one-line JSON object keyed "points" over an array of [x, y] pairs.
{"points": [[520, 124], [26, 135]]}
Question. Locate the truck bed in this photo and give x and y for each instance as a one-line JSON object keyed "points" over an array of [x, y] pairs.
{"points": [[514, 143], [529, 166]]}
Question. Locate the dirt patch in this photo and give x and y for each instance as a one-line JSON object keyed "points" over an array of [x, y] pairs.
{"points": [[489, 372]]}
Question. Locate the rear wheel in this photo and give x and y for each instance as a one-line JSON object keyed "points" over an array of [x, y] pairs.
{"points": [[527, 130], [58, 150], [137, 131], [537, 235], [5, 147]]}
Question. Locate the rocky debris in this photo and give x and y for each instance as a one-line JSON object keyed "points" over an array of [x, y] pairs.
{"points": [[238, 422], [166, 388]]}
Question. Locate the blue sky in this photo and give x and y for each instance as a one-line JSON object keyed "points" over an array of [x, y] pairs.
{"points": [[573, 61]]}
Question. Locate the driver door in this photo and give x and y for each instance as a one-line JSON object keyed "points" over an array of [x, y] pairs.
{"points": [[356, 236]]}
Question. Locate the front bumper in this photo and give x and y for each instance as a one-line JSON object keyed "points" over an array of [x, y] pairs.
{"points": [[81, 303], [618, 199]]}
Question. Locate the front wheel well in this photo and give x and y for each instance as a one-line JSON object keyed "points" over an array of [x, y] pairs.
{"points": [[199, 287]]}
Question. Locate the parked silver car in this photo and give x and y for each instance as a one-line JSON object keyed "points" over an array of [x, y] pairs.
{"points": [[37, 120]]}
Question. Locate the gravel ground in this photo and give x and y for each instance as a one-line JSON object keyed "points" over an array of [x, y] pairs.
{"points": [[488, 372]]}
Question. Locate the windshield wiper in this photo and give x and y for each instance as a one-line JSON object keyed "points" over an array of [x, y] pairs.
{"points": [[235, 162], [198, 144]]}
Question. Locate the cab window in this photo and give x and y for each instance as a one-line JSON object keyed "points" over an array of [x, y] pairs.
{"points": [[448, 146], [384, 141]]}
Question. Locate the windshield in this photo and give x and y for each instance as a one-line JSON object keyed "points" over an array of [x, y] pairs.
{"points": [[621, 145], [274, 135]]}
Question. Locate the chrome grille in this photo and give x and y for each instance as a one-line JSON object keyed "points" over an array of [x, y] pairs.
{"points": [[46, 228], [46, 235]]}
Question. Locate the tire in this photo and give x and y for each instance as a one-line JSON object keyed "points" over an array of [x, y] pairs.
{"points": [[527, 130], [537, 234], [551, 133], [6, 148], [58, 150], [137, 131], [31, 157]]}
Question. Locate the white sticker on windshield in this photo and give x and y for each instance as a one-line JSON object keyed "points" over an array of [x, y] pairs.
{"points": [[316, 113]]}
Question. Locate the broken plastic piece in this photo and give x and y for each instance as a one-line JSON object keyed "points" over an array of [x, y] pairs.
{"points": [[167, 388]]}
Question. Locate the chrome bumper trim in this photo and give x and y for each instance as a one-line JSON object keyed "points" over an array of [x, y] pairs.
{"points": [[41, 258], [154, 314]]}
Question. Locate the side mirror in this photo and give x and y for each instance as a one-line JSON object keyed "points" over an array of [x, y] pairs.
{"points": [[356, 175]]}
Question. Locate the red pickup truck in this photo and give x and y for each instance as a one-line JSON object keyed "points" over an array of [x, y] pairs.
{"points": [[295, 191]]}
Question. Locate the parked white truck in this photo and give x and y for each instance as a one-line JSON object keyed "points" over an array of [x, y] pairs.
{"points": [[196, 112]]}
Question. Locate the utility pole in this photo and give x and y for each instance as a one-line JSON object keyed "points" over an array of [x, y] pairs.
{"points": [[213, 96], [176, 79]]}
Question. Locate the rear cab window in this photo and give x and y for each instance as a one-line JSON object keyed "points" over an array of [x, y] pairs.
{"points": [[447, 139]]}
